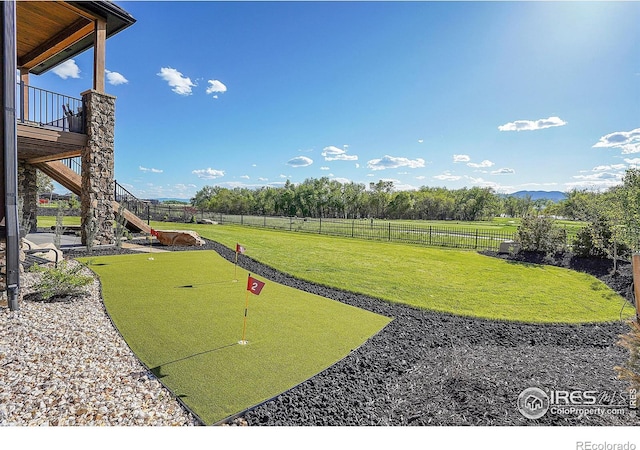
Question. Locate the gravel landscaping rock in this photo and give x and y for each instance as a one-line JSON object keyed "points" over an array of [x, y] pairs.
{"points": [[63, 363], [428, 368], [425, 368]]}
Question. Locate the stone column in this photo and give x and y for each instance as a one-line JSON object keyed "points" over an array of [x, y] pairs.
{"points": [[97, 168], [27, 198]]}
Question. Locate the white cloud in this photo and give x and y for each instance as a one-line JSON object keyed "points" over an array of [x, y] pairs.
{"points": [[420, 141], [181, 85], [531, 185], [246, 177], [208, 174], [461, 158], [632, 161], [342, 180], [421, 177], [485, 163], [393, 162], [68, 69], [528, 125], [333, 153], [613, 167], [324, 168], [184, 187], [263, 179], [484, 183], [182, 191], [144, 169], [357, 166], [502, 171], [404, 187], [300, 161], [601, 177], [216, 86], [627, 141], [115, 78], [446, 176], [599, 185], [630, 148], [598, 180], [283, 176]]}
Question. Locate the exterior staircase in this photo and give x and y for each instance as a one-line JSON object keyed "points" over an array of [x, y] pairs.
{"points": [[70, 179]]}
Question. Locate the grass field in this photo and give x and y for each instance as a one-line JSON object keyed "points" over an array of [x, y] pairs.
{"points": [[50, 221], [189, 336], [453, 281], [182, 312]]}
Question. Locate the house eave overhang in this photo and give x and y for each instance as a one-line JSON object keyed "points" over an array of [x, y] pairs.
{"points": [[117, 19]]}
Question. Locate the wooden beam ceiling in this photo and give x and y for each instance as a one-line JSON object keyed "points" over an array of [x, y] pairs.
{"points": [[76, 31], [46, 28]]}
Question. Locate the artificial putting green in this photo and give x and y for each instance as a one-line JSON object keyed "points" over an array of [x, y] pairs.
{"points": [[182, 313]]}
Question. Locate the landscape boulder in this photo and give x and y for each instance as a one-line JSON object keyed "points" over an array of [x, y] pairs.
{"points": [[185, 238]]}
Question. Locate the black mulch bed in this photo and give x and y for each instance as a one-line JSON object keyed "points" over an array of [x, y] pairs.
{"points": [[429, 368]]}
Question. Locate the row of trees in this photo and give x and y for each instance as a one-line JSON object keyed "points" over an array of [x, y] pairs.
{"points": [[612, 217], [322, 197]]}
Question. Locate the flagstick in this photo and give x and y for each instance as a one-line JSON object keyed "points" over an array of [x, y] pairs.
{"points": [[244, 325], [235, 268]]}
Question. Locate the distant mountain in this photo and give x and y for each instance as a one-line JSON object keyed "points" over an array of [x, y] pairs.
{"points": [[556, 196]]}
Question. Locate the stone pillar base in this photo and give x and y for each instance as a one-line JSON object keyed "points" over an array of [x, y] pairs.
{"points": [[98, 169]]}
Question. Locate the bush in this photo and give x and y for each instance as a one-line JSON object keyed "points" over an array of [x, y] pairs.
{"points": [[539, 234], [631, 369], [596, 239], [61, 282]]}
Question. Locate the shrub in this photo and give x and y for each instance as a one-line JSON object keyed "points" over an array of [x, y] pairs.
{"points": [[61, 282], [539, 234], [121, 224], [631, 369], [59, 229], [596, 239]]}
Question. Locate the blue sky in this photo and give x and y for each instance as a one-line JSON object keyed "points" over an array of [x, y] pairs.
{"points": [[508, 95]]}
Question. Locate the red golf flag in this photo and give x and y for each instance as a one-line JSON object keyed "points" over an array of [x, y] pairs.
{"points": [[254, 285], [239, 248]]}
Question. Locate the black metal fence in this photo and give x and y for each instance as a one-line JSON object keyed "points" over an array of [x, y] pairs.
{"points": [[371, 229], [453, 236], [49, 109]]}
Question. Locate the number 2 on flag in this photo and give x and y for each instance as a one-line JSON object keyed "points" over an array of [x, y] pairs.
{"points": [[254, 285]]}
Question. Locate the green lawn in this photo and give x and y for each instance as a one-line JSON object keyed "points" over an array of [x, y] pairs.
{"points": [[189, 335], [50, 221], [454, 281]]}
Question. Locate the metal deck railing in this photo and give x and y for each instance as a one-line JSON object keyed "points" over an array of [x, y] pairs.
{"points": [[49, 109]]}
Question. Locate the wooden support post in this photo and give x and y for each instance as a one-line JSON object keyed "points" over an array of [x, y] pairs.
{"points": [[635, 265], [24, 94], [99, 54]]}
